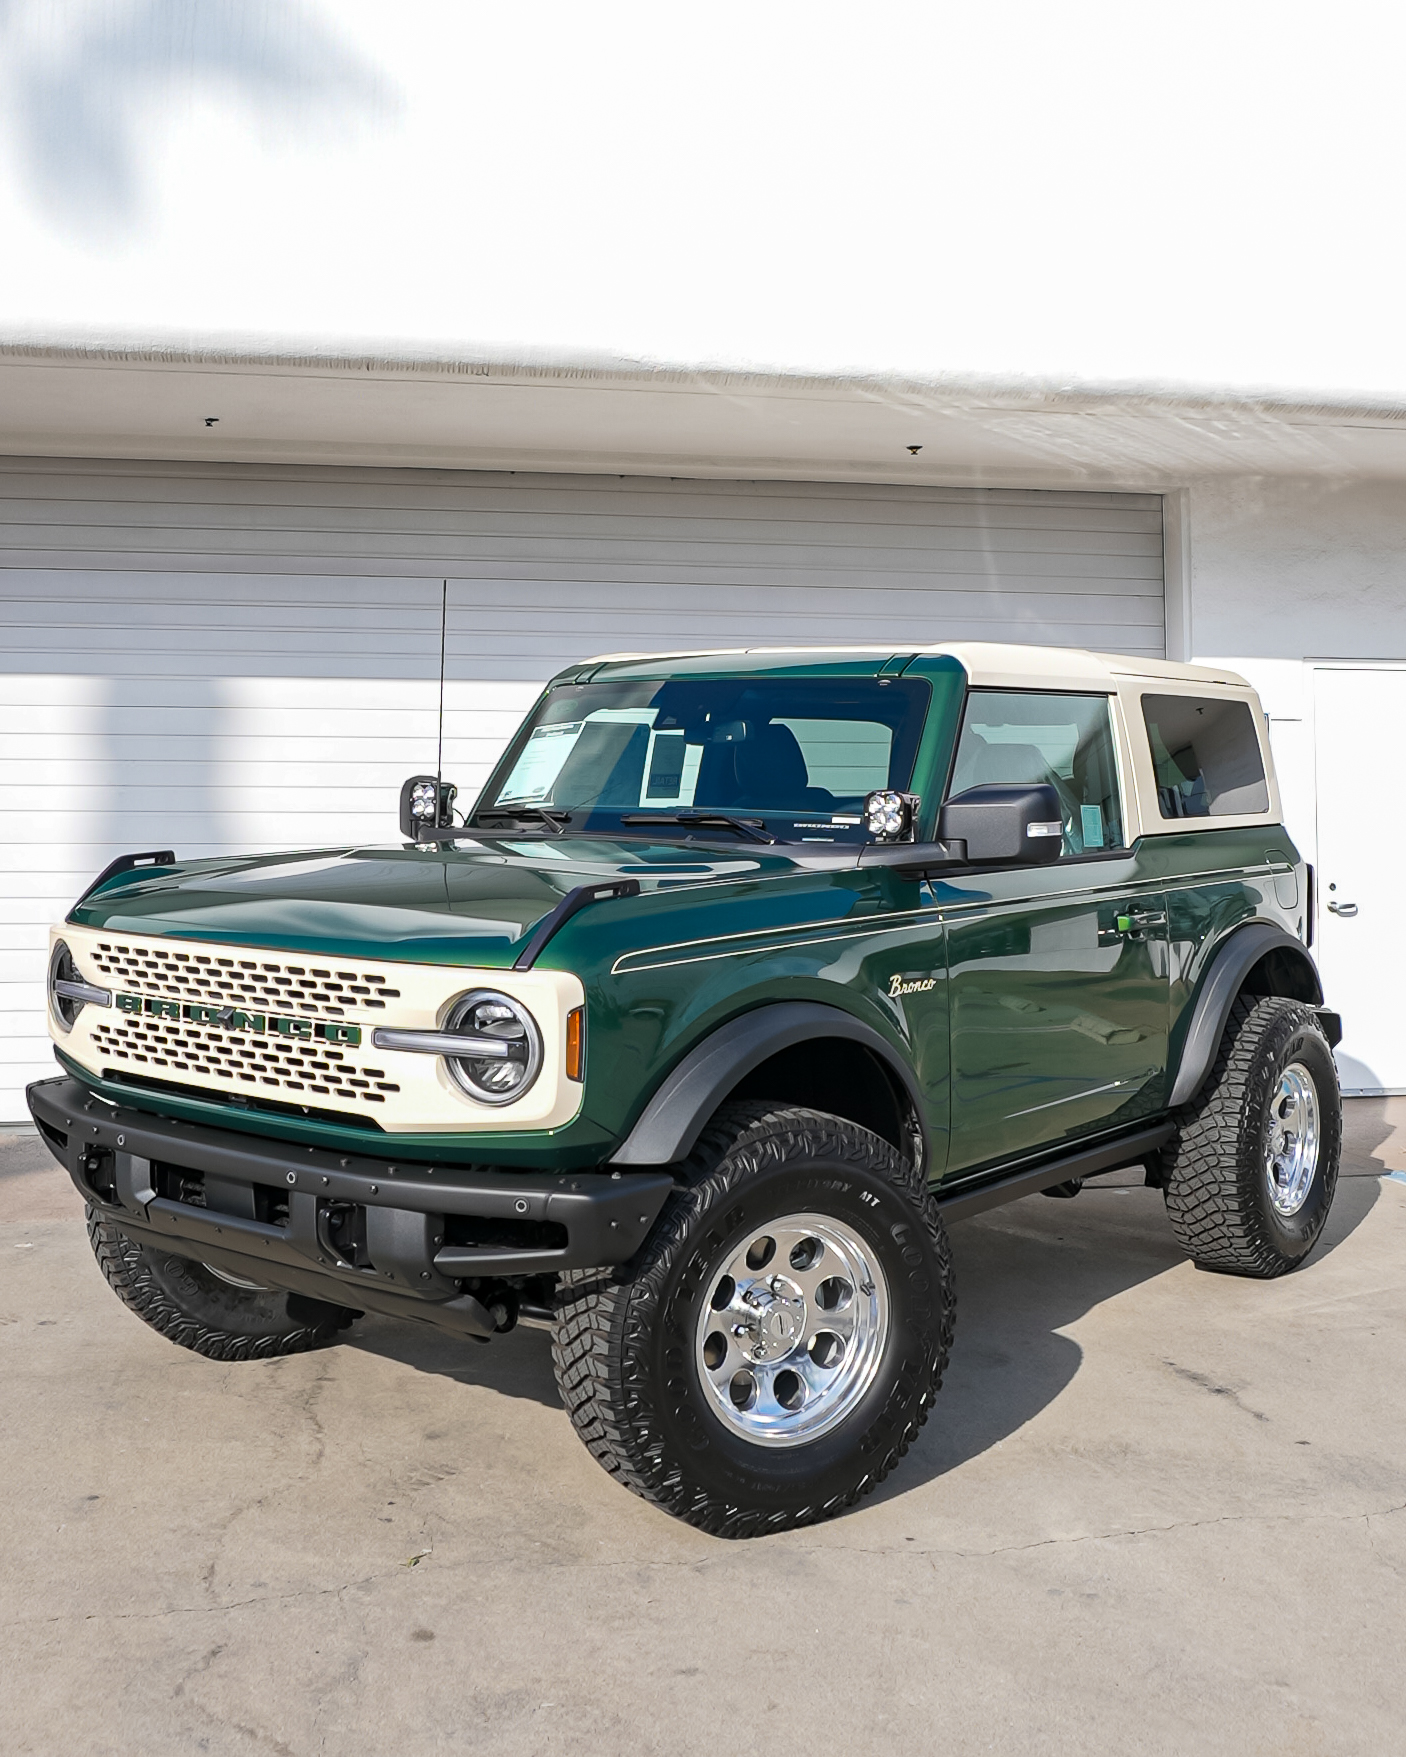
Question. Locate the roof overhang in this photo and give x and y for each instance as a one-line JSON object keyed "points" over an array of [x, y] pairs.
{"points": [[105, 397]]}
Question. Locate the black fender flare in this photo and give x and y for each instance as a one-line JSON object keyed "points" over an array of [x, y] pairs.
{"points": [[1238, 954], [674, 1118]]}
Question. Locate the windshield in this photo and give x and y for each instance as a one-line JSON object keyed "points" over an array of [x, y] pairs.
{"points": [[798, 754]]}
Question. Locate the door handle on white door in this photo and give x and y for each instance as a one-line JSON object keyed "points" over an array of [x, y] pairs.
{"points": [[1346, 910]]}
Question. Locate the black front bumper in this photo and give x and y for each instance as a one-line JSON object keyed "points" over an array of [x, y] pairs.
{"points": [[381, 1235]]}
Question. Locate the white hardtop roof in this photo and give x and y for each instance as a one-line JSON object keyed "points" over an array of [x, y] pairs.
{"points": [[990, 663], [995, 662]]}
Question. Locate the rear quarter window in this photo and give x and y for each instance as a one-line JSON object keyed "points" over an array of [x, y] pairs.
{"points": [[1205, 756]]}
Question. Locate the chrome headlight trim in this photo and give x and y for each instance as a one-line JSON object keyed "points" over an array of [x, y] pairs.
{"points": [[516, 1042], [68, 993]]}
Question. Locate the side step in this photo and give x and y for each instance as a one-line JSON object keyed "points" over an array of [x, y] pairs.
{"points": [[959, 1204]]}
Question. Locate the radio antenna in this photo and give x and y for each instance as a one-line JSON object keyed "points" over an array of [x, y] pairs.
{"points": [[439, 753]]}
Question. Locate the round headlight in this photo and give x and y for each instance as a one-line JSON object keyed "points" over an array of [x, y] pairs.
{"points": [[505, 1074], [63, 969]]}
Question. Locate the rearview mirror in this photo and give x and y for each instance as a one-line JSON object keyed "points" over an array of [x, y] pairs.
{"points": [[1004, 824]]}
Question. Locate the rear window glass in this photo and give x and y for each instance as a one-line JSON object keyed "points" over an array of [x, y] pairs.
{"points": [[1205, 755]]}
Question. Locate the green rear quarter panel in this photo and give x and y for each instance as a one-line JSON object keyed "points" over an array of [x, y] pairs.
{"points": [[1216, 881]]}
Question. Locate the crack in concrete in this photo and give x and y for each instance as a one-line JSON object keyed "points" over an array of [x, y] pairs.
{"points": [[203, 1610], [1390, 1560], [695, 1563], [1109, 1536]]}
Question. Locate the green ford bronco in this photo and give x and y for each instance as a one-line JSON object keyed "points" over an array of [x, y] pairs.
{"points": [[745, 973]]}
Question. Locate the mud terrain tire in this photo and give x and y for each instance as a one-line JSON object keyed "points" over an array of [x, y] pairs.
{"points": [[1219, 1190], [193, 1306], [629, 1346]]}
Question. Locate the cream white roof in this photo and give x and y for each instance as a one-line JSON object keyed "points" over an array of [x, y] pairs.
{"points": [[994, 664]]}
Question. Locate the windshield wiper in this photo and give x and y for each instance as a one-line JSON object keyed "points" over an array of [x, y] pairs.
{"points": [[525, 814], [752, 828]]}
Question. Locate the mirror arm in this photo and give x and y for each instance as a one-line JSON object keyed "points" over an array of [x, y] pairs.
{"points": [[913, 859]]}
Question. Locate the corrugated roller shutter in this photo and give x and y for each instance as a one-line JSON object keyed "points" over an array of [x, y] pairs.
{"points": [[228, 657]]}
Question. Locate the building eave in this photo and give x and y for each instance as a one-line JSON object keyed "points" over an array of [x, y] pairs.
{"points": [[299, 401]]}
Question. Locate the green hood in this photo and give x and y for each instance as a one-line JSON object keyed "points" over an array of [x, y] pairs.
{"points": [[475, 904]]}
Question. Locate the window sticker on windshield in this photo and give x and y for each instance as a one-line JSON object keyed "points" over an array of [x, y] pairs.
{"points": [[672, 770], [1091, 826], [541, 762]]}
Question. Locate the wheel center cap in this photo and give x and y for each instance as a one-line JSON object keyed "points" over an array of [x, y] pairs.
{"points": [[776, 1320]]}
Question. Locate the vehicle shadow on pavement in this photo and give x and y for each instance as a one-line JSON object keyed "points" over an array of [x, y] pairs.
{"points": [[1024, 1274], [516, 1365], [1356, 1196], [1027, 1272]]}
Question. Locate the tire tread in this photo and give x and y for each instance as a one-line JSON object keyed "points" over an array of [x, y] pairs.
{"points": [[596, 1324], [1210, 1167], [126, 1267]]}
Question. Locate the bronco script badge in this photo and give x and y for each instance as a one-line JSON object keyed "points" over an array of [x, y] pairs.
{"points": [[910, 985]]}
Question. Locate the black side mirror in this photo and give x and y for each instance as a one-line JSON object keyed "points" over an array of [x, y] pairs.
{"points": [[1003, 824], [426, 805]]}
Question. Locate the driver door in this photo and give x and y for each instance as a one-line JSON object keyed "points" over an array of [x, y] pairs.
{"points": [[1058, 976]]}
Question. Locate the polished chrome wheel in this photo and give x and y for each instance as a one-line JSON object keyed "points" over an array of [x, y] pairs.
{"points": [[1291, 1148], [792, 1329]]}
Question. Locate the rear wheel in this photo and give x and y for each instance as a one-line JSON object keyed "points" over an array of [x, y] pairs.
{"points": [[773, 1350], [1250, 1174], [218, 1314]]}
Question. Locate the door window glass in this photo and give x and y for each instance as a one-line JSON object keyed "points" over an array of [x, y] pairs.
{"points": [[1063, 741], [1205, 755]]}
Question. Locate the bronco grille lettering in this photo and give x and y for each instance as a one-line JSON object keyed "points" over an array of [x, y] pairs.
{"points": [[236, 1019]]}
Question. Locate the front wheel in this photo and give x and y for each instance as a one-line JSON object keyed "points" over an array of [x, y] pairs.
{"points": [[773, 1350]]}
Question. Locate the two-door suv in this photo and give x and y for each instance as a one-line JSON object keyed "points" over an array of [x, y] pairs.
{"points": [[744, 973]]}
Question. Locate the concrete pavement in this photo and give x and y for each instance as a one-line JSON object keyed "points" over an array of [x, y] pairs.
{"points": [[1154, 1510]]}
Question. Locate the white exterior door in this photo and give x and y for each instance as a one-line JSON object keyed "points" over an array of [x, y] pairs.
{"points": [[1359, 943]]}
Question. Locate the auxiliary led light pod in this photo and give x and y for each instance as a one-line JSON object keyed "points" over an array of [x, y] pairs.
{"points": [[426, 803], [889, 816]]}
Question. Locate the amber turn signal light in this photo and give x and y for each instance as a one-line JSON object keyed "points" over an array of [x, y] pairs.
{"points": [[576, 1044]]}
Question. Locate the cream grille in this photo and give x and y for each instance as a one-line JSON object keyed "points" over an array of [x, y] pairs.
{"points": [[184, 1013], [241, 1059], [315, 991]]}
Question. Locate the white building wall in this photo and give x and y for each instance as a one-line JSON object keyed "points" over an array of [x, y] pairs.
{"points": [[1285, 570], [1301, 585]]}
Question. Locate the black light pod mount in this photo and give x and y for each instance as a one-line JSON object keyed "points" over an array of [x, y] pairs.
{"points": [[426, 808]]}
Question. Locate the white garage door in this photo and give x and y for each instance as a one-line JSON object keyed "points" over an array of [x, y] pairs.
{"points": [[215, 658]]}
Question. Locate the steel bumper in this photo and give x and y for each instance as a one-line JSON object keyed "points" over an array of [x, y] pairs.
{"points": [[280, 1213]]}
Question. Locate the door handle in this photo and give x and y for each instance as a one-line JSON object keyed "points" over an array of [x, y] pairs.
{"points": [[1346, 910], [1137, 921]]}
